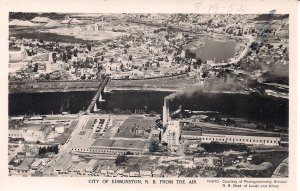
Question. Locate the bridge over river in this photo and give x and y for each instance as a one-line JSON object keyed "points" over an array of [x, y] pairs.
{"points": [[98, 96]]}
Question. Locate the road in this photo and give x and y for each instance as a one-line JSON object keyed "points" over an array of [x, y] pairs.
{"points": [[244, 52], [18, 149], [282, 169], [66, 148]]}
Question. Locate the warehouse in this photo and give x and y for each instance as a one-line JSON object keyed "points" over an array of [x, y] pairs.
{"points": [[30, 132], [248, 138], [191, 135], [239, 137], [114, 147]]}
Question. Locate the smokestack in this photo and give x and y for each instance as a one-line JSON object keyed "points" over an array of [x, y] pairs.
{"points": [[166, 111]]}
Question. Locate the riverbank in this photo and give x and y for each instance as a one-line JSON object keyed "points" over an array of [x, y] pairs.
{"points": [[176, 90], [111, 89], [51, 86], [166, 84], [242, 44]]}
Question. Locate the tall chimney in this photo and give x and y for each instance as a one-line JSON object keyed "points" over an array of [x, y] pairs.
{"points": [[166, 111]]}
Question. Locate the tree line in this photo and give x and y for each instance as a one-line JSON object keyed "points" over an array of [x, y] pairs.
{"points": [[47, 149]]}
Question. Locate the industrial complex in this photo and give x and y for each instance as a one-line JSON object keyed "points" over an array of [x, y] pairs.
{"points": [[139, 143], [178, 55]]}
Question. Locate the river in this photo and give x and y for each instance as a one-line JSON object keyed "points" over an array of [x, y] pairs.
{"points": [[253, 107]]}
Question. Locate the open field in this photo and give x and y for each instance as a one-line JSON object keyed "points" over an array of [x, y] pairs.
{"points": [[86, 35], [32, 33]]}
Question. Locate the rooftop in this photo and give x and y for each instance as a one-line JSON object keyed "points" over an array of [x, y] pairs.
{"points": [[133, 168], [25, 164], [92, 162], [41, 57], [199, 133], [132, 124], [63, 162], [241, 133], [101, 163], [79, 166], [125, 144], [36, 162], [33, 127]]}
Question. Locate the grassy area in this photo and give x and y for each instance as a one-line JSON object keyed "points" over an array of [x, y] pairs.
{"points": [[57, 86], [61, 139], [192, 127], [32, 33], [283, 169], [90, 123], [218, 147], [275, 157], [72, 126], [29, 16]]}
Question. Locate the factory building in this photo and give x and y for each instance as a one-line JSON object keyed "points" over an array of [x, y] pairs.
{"points": [[113, 147], [191, 135], [241, 137], [171, 135], [30, 133], [171, 129], [238, 137]]}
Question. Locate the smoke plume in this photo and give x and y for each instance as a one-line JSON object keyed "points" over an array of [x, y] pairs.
{"points": [[216, 86]]}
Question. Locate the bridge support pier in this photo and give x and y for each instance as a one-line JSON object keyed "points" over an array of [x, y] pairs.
{"points": [[101, 98], [105, 89], [95, 108]]}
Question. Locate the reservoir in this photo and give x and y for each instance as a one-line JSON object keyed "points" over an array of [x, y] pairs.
{"points": [[250, 106], [218, 50]]}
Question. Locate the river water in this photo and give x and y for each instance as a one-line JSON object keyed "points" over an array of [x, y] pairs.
{"points": [[253, 107]]}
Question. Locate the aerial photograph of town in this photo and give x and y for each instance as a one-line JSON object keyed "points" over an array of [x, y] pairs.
{"points": [[148, 95]]}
